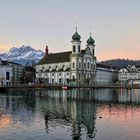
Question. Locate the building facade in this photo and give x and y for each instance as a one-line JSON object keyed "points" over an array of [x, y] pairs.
{"points": [[5, 74], [77, 66], [130, 73], [17, 71], [105, 74]]}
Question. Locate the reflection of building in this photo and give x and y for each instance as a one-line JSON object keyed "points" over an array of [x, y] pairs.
{"points": [[79, 112], [5, 74], [75, 66], [19, 107]]}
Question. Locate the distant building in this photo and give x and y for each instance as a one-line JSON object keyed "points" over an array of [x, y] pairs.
{"points": [[5, 74], [29, 74], [76, 66], [131, 72], [17, 70], [105, 74]]}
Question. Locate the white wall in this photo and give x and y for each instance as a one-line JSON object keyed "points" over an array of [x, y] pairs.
{"points": [[104, 76], [3, 78]]}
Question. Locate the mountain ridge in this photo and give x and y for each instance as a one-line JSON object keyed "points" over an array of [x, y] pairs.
{"points": [[121, 63], [25, 55]]}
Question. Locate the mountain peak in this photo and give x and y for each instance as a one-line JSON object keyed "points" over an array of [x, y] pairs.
{"points": [[23, 55]]}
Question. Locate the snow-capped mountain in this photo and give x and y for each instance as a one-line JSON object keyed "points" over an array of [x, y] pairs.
{"points": [[24, 55]]}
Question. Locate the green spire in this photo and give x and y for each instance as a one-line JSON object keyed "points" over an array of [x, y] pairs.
{"points": [[90, 40], [76, 36]]}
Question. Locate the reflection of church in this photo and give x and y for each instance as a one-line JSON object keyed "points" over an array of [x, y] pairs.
{"points": [[79, 113]]}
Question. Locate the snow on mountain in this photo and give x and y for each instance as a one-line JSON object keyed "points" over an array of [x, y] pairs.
{"points": [[24, 55]]}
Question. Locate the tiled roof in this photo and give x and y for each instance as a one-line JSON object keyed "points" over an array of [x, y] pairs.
{"points": [[57, 57], [100, 65], [4, 62]]}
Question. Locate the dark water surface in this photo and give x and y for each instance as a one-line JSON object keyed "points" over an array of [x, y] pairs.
{"points": [[82, 114]]}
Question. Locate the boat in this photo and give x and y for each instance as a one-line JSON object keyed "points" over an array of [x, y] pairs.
{"points": [[64, 87]]}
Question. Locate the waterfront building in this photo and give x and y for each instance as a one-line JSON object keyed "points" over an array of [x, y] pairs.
{"points": [[5, 74], [28, 74], [17, 70], [105, 74], [77, 66], [129, 73]]}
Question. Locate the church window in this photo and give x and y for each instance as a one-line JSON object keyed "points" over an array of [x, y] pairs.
{"points": [[93, 51], [73, 48], [79, 76], [88, 65], [73, 65], [79, 65], [79, 48], [91, 66], [84, 65], [73, 78], [59, 73], [60, 81]]}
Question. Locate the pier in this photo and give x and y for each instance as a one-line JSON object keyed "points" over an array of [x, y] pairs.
{"points": [[59, 86]]}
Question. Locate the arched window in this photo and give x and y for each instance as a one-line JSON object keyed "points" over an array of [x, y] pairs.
{"points": [[79, 48], [73, 48], [88, 65], [84, 65], [73, 65], [79, 65], [93, 52]]}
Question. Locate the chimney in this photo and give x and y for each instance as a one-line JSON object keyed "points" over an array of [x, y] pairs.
{"points": [[46, 50]]}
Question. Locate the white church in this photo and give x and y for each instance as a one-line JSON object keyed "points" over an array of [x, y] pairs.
{"points": [[76, 66]]}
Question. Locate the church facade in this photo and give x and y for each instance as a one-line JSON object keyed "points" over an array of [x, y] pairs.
{"points": [[77, 66]]}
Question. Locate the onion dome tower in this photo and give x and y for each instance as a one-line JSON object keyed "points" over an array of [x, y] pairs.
{"points": [[91, 45], [76, 43]]}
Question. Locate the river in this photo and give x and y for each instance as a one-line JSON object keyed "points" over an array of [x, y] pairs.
{"points": [[78, 114]]}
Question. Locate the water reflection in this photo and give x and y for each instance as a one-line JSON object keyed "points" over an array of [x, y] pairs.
{"points": [[81, 115], [78, 111], [79, 107]]}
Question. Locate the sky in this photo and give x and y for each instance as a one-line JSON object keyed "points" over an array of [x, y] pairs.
{"points": [[115, 25]]}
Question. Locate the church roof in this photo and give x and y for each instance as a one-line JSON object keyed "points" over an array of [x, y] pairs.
{"points": [[76, 36], [90, 41], [57, 57]]}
